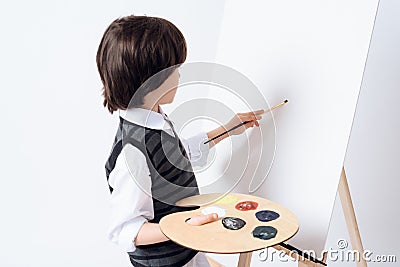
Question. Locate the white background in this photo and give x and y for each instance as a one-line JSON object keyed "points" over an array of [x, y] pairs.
{"points": [[56, 136]]}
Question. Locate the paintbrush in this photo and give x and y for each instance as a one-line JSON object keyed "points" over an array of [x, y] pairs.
{"points": [[243, 123]]}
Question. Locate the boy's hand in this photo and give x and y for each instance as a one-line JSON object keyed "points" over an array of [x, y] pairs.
{"points": [[250, 117], [202, 219]]}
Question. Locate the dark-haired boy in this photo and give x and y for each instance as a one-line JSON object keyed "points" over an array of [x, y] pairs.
{"points": [[133, 49]]}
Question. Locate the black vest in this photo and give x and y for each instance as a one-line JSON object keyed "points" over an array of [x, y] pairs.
{"points": [[172, 179]]}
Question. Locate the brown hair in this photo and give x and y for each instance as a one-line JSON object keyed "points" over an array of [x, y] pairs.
{"points": [[133, 49]]}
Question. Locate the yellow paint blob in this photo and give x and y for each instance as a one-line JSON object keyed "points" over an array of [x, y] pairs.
{"points": [[228, 199]]}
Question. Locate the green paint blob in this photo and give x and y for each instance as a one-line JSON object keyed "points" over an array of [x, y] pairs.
{"points": [[264, 232]]}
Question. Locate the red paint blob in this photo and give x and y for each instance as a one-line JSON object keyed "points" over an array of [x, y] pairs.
{"points": [[246, 205]]}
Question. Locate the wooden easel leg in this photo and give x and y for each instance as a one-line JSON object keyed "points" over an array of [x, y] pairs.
{"points": [[306, 264], [213, 263], [349, 214], [244, 259]]}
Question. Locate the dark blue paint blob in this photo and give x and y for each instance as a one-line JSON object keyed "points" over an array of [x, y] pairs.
{"points": [[264, 232], [232, 223], [267, 215]]}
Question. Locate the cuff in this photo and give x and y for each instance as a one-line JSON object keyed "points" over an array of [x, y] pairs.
{"points": [[197, 150], [129, 232]]}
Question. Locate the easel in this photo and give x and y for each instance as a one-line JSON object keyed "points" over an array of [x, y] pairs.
{"points": [[350, 216], [352, 227]]}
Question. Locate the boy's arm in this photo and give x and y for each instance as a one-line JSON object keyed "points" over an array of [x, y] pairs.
{"points": [[151, 233], [131, 204], [252, 117], [198, 151]]}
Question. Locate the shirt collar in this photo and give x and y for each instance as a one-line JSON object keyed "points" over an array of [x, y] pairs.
{"points": [[147, 118]]}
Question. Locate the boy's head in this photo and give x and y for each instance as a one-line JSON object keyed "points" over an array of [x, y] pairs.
{"points": [[132, 50]]}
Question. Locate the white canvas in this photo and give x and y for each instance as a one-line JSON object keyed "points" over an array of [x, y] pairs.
{"points": [[372, 158], [312, 53]]}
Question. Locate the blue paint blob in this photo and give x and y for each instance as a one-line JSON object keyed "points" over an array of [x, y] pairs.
{"points": [[264, 232], [267, 215]]}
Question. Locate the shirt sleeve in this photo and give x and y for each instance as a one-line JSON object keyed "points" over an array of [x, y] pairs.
{"points": [[131, 200], [196, 149]]}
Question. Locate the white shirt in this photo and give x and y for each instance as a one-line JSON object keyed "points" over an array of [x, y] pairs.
{"points": [[131, 204]]}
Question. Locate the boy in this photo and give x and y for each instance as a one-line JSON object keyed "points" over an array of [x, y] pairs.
{"points": [[133, 49]]}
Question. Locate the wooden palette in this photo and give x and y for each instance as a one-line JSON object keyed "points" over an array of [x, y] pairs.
{"points": [[214, 237]]}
